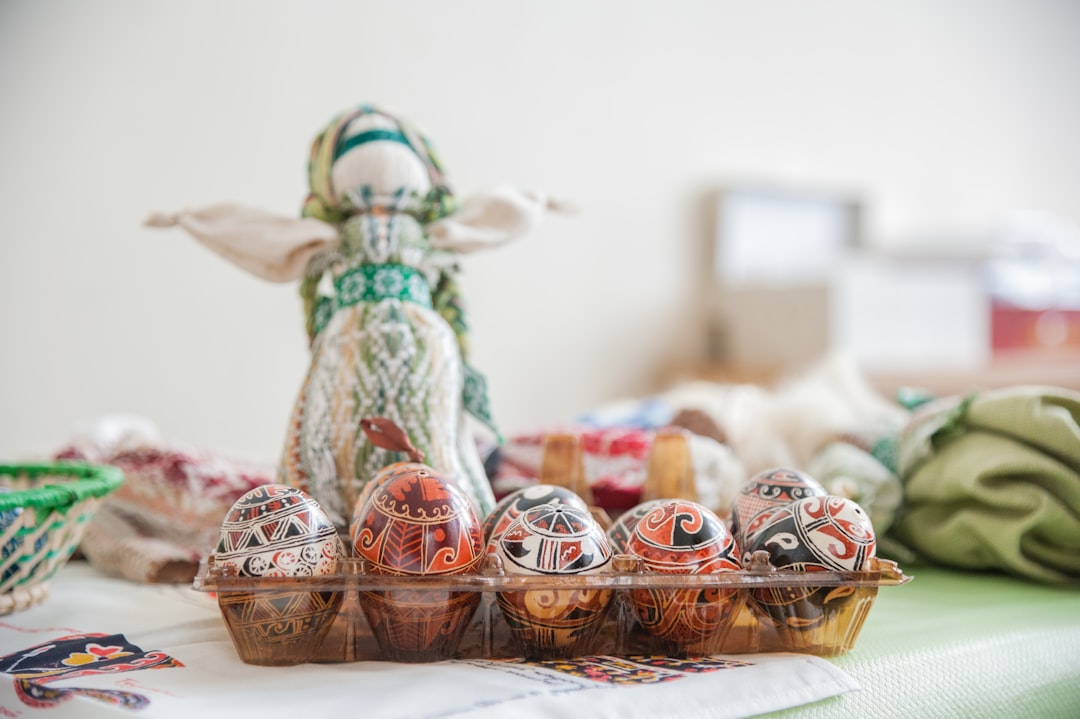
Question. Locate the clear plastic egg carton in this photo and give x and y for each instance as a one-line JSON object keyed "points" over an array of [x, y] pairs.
{"points": [[358, 616]]}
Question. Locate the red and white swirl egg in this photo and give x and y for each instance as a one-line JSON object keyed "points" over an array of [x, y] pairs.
{"points": [[818, 534], [621, 529], [684, 537], [815, 534]]}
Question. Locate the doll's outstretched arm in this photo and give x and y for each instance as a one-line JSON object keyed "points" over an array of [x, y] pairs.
{"points": [[492, 219], [269, 246]]}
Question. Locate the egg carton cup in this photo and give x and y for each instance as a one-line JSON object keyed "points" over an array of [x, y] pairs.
{"points": [[355, 615], [44, 510]]}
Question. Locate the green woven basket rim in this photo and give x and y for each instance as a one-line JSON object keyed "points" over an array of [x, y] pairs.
{"points": [[90, 480]]}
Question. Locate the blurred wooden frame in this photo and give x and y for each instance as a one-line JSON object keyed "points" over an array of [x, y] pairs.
{"points": [[773, 251], [779, 236]]}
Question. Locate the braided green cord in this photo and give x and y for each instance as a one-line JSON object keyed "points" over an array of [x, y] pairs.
{"points": [[76, 482], [309, 288], [450, 305]]}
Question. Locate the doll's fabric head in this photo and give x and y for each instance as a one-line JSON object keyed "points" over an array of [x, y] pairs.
{"points": [[367, 157]]}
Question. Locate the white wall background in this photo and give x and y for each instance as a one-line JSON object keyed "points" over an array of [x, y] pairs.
{"points": [[943, 114]]}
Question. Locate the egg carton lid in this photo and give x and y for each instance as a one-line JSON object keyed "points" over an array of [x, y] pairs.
{"points": [[627, 572]]}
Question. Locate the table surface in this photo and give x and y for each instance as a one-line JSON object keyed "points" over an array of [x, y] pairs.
{"points": [[956, 644], [946, 644]]}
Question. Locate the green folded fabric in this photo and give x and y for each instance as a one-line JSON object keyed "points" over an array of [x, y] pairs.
{"points": [[992, 481]]}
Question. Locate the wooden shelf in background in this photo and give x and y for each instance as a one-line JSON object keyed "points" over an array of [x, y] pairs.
{"points": [[1042, 367]]}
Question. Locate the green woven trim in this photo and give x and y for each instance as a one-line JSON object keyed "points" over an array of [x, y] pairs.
{"points": [[373, 283], [88, 480], [370, 136], [324, 310]]}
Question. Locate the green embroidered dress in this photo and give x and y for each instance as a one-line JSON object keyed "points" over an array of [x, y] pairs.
{"points": [[381, 350]]}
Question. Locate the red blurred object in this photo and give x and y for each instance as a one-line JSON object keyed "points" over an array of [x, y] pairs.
{"points": [[1016, 328]]}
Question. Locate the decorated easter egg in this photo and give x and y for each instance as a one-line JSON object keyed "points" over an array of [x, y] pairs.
{"points": [[766, 492], [519, 501], [278, 531], [418, 523], [684, 537], [815, 534], [620, 531], [381, 477], [818, 534], [554, 539]]}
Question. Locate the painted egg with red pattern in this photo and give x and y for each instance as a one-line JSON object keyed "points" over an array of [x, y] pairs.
{"points": [[684, 537], [520, 501], [278, 531], [379, 479], [815, 534], [766, 492], [620, 531], [554, 539], [418, 522]]}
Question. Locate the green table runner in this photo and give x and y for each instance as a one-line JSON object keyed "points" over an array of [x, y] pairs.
{"points": [[958, 644]]}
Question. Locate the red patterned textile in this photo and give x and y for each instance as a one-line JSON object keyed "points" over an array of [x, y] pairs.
{"points": [[615, 461], [166, 515]]}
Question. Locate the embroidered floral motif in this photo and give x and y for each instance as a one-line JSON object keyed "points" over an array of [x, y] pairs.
{"points": [[94, 653], [75, 656]]}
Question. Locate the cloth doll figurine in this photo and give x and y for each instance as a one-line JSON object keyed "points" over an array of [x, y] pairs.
{"points": [[375, 253]]}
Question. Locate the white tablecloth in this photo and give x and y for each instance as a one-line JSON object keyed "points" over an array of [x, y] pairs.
{"points": [[196, 672]]}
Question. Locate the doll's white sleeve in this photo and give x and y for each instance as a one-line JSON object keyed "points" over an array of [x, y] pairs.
{"points": [[492, 219], [269, 246]]}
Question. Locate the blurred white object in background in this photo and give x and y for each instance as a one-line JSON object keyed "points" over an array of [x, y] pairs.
{"points": [[909, 315], [113, 434]]}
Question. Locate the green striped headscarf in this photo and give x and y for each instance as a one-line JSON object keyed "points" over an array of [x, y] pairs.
{"points": [[322, 203]]}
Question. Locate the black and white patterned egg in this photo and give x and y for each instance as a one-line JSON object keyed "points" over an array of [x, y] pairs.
{"points": [[765, 493], [814, 534], [278, 531], [554, 539], [520, 501], [817, 533]]}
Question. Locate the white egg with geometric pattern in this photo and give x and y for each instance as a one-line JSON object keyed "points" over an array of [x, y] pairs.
{"points": [[278, 531], [554, 539]]}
